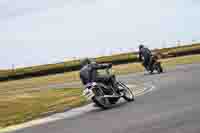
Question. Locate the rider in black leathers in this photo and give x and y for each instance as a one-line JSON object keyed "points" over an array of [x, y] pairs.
{"points": [[146, 54], [89, 73]]}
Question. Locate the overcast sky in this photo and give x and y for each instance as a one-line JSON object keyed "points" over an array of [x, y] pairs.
{"points": [[47, 31]]}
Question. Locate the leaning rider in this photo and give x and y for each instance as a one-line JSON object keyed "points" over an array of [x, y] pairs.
{"points": [[89, 73], [146, 54]]}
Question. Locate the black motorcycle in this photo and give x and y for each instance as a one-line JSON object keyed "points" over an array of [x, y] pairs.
{"points": [[154, 65], [104, 96]]}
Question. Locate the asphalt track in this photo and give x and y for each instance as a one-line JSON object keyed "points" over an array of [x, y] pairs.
{"points": [[172, 107]]}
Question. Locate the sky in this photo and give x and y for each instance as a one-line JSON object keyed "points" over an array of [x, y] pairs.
{"points": [[34, 32]]}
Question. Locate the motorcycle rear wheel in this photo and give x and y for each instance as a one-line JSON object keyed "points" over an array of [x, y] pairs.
{"points": [[100, 101], [159, 68]]}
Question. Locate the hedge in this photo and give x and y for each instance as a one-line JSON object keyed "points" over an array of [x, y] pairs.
{"points": [[75, 64]]}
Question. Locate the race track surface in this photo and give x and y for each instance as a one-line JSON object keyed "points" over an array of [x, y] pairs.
{"points": [[172, 107]]}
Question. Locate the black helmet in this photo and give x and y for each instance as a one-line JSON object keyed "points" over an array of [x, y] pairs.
{"points": [[141, 46], [85, 61]]}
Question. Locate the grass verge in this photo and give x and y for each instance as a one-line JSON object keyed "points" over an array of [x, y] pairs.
{"points": [[20, 107], [166, 63]]}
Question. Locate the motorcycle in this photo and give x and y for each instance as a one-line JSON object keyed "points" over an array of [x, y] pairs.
{"points": [[154, 65], [104, 96]]}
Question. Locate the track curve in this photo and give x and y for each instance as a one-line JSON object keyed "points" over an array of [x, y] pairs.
{"points": [[173, 107]]}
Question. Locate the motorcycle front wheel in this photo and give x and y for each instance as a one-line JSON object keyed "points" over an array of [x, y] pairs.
{"points": [[127, 92]]}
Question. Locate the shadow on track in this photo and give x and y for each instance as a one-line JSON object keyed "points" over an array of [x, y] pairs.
{"points": [[120, 104]]}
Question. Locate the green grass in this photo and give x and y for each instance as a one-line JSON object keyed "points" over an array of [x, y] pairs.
{"points": [[184, 48], [37, 82], [18, 107], [172, 62], [166, 63]]}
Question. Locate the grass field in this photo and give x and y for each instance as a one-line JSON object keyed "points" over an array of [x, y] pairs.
{"points": [[166, 63], [23, 100], [17, 106]]}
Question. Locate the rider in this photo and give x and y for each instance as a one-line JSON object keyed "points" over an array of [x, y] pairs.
{"points": [[146, 54], [89, 73]]}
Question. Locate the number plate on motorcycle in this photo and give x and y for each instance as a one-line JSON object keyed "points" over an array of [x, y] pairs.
{"points": [[88, 93]]}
